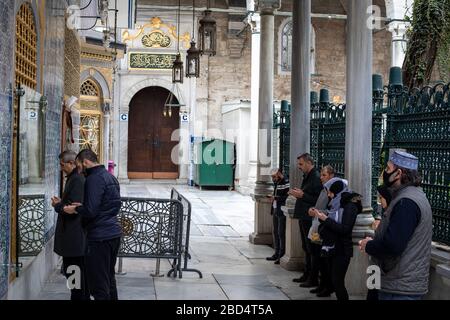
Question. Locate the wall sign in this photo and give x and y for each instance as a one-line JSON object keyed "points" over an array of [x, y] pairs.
{"points": [[184, 117], [32, 115], [123, 117], [151, 61]]}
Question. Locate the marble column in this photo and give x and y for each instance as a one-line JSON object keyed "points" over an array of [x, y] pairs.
{"points": [[398, 30], [255, 23], [300, 124], [358, 134], [263, 187]]}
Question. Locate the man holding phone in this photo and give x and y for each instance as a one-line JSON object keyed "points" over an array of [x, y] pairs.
{"points": [[306, 198]]}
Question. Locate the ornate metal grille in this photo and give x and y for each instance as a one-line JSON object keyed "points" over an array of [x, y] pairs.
{"points": [[152, 228], [419, 121], [281, 121], [26, 47], [89, 88], [90, 125], [31, 224]]}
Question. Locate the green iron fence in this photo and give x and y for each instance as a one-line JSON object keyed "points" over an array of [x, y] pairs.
{"points": [[282, 121], [418, 120]]}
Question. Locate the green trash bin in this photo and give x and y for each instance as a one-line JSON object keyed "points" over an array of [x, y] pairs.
{"points": [[214, 166]]}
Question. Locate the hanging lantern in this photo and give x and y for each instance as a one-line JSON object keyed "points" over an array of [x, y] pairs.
{"points": [[207, 33], [177, 70], [193, 61]]}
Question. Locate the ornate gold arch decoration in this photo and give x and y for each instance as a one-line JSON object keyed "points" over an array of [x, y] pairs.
{"points": [[156, 24]]}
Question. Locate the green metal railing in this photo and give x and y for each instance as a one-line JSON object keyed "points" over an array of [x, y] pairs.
{"points": [[418, 120], [282, 121]]}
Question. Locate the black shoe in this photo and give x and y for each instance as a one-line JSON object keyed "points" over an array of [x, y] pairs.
{"points": [[324, 293], [309, 284], [303, 278], [277, 261], [316, 290], [272, 258]]}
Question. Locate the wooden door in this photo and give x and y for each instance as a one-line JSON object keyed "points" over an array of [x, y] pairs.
{"points": [[149, 136]]}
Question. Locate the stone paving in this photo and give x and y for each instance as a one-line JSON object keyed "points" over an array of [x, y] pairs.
{"points": [[232, 267]]}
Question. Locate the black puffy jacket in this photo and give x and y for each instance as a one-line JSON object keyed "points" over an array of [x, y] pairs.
{"points": [[341, 233], [101, 205]]}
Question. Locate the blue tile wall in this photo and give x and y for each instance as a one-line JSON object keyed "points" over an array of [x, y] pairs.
{"points": [[6, 61], [54, 91]]}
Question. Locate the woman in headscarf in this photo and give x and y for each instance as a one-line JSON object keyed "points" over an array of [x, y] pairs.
{"points": [[336, 231]]}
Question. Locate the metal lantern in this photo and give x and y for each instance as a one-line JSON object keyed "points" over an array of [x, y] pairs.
{"points": [[177, 70], [193, 61], [207, 34]]}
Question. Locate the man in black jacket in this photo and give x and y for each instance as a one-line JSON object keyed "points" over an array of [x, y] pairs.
{"points": [[99, 211], [306, 198], [70, 236], [280, 194]]}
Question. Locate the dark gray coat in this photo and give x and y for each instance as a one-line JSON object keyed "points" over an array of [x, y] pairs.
{"points": [[70, 236], [408, 273], [311, 187]]}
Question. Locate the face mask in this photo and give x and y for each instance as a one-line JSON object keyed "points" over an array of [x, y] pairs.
{"points": [[386, 177]]}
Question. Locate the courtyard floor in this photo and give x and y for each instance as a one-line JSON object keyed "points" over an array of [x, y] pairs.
{"points": [[232, 267]]}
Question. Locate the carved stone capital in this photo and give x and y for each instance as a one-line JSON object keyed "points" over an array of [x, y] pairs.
{"points": [[265, 7]]}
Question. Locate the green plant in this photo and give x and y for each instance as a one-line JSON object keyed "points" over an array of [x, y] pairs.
{"points": [[429, 40]]}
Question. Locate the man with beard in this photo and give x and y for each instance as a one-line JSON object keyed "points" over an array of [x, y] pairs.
{"points": [[402, 244]]}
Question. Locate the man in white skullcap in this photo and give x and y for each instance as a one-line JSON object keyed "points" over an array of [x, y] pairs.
{"points": [[402, 243]]}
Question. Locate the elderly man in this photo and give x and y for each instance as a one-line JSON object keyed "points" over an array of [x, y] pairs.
{"points": [[402, 244], [70, 236]]}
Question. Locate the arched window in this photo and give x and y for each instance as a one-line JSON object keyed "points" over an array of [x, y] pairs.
{"points": [[91, 122], [89, 88], [26, 47], [286, 48]]}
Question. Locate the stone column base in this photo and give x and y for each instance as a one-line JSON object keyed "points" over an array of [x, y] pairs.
{"points": [[261, 238], [292, 263], [356, 277], [124, 181], [294, 257], [263, 219]]}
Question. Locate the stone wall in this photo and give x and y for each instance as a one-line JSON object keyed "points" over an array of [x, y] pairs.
{"points": [[330, 61], [6, 78], [229, 77]]}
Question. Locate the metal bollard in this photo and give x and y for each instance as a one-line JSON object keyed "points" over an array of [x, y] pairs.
{"points": [[119, 269], [158, 260]]}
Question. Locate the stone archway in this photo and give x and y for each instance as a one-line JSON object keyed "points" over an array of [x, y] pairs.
{"points": [[123, 111]]}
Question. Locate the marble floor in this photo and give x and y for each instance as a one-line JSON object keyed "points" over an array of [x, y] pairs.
{"points": [[232, 267]]}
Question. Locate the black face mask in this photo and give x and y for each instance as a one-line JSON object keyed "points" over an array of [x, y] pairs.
{"points": [[386, 177]]}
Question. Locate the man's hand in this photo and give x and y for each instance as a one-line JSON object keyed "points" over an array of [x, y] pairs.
{"points": [[55, 201], [311, 212], [71, 209], [363, 243], [298, 193]]}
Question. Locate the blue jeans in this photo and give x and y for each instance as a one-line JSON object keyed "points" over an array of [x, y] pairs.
{"points": [[393, 296]]}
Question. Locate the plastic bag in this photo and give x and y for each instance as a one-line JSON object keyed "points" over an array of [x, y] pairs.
{"points": [[313, 233]]}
